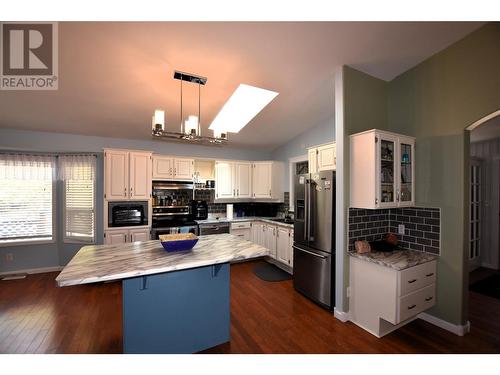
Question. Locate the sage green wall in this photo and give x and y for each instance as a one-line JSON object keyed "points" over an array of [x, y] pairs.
{"points": [[365, 107], [435, 102]]}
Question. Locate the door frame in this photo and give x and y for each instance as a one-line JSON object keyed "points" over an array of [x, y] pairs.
{"points": [[475, 262]]}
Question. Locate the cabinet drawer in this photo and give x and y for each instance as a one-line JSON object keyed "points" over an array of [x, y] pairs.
{"points": [[243, 233], [417, 277], [243, 225], [416, 302]]}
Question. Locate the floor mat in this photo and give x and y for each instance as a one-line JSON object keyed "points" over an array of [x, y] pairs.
{"points": [[489, 286], [269, 272]]}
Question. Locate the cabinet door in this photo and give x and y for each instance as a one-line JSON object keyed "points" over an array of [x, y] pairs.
{"points": [[406, 157], [271, 240], [137, 235], [243, 180], [140, 175], [386, 170], [262, 180], [327, 158], [256, 232], [116, 237], [163, 167], [183, 169], [224, 181], [282, 243], [312, 158], [290, 248], [116, 169]]}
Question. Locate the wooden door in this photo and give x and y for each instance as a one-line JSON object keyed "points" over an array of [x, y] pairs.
{"points": [[386, 174], [183, 169], [312, 157], [140, 175], [243, 180], [262, 180], [137, 235], [406, 173], [475, 203], [116, 237], [282, 243], [224, 180], [327, 159], [163, 167], [116, 172]]}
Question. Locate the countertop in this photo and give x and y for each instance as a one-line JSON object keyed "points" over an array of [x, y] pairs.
{"points": [[114, 262], [398, 260], [243, 219]]}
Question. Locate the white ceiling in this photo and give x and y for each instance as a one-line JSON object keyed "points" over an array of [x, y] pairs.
{"points": [[113, 75], [486, 131]]}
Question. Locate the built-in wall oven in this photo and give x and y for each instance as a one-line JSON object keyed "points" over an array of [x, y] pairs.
{"points": [[127, 213], [172, 212]]}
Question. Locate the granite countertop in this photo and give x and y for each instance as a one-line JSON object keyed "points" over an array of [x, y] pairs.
{"points": [[398, 260], [243, 219], [114, 262]]}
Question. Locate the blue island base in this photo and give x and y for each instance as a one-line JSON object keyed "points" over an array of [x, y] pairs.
{"points": [[184, 311]]}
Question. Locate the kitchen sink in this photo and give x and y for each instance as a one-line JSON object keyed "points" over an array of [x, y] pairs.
{"points": [[285, 221]]}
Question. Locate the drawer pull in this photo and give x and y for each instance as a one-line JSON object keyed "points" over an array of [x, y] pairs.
{"points": [[429, 274], [411, 281], [411, 307], [428, 299]]}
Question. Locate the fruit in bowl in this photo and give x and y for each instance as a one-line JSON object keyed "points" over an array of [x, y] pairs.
{"points": [[178, 242]]}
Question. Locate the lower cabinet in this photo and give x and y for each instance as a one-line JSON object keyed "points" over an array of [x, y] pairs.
{"points": [[242, 230], [276, 238], [119, 236], [383, 299]]}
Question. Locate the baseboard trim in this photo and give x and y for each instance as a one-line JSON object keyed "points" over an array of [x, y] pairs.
{"points": [[459, 330], [489, 265], [34, 270], [341, 315]]}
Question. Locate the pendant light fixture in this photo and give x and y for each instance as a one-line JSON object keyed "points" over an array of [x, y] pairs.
{"points": [[190, 129]]}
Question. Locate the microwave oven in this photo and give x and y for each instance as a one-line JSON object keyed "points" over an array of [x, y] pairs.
{"points": [[127, 213]]}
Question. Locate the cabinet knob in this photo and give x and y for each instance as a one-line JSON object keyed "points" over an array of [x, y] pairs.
{"points": [[411, 307]]}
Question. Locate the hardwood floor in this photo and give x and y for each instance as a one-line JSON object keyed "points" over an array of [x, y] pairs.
{"points": [[38, 317]]}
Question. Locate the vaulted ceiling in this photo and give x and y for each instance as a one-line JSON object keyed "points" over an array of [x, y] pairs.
{"points": [[113, 75]]}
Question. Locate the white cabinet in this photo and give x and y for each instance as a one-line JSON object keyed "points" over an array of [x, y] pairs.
{"points": [[121, 236], [243, 179], [268, 180], [270, 239], [383, 299], [224, 180], [258, 233], [127, 175], [171, 168], [322, 158], [242, 230], [284, 242], [382, 170]]}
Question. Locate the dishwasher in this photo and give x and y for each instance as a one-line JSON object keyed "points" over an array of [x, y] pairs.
{"points": [[213, 228]]}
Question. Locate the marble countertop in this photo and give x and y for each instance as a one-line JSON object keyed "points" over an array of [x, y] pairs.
{"points": [[243, 219], [398, 260], [114, 262]]}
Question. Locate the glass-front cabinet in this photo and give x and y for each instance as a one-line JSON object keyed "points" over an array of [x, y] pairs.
{"points": [[382, 170]]}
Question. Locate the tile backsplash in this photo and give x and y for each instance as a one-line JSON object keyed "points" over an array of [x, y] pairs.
{"points": [[248, 208], [422, 226]]}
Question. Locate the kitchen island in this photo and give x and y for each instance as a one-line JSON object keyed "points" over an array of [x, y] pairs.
{"points": [[172, 302]]}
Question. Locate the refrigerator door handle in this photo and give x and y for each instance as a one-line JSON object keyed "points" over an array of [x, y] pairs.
{"points": [[309, 209], [306, 212], [309, 252]]}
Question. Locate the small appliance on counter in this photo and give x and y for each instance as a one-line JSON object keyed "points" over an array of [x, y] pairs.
{"points": [[199, 209]]}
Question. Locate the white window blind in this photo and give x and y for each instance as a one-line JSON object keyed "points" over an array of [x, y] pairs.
{"points": [[26, 198], [78, 175]]}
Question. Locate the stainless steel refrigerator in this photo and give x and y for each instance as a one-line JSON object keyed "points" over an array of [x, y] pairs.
{"points": [[314, 237]]}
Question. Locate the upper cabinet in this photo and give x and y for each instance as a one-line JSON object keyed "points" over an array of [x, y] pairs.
{"points": [[127, 175], [242, 180], [382, 170], [170, 168], [322, 158]]}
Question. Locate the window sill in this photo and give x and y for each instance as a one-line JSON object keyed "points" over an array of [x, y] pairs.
{"points": [[78, 242], [26, 243]]}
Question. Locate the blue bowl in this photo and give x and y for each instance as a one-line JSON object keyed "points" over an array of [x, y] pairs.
{"points": [[178, 242]]}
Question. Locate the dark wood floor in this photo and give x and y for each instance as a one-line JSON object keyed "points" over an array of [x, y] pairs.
{"points": [[38, 317]]}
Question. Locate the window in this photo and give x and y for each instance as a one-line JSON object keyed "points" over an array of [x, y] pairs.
{"points": [[78, 176], [26, 198]]}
